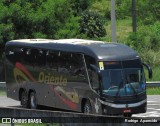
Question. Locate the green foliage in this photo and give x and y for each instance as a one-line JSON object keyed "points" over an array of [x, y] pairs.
{"points": [[151, 57], [69, 30], [153, 90], [2, 92], [123, 9], [147, 37], [78, 6], [148, 11], [156, 73], [34, 19], [103, 7], [91, 24]]}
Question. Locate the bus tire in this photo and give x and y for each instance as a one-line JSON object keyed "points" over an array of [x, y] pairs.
{"points": [[87, 107], [24, 99], [32, 100]]}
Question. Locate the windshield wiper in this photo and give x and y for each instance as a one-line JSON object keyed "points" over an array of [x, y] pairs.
{"points": [[119, 89], [133, 89]]}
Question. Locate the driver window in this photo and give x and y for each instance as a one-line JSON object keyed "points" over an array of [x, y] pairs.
{"points": [[94, 78], [132, 78]]}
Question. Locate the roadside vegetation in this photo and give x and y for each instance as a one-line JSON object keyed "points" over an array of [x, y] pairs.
{"points": [[2, 92], [153, 90]]}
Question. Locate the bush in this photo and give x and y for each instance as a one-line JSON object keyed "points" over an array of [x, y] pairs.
{"points": [[150, 57], [147, 37], [103, 7], [69, 30], [147, 42], [91, 24], [78, 6], [148, 11], [123, 9]]}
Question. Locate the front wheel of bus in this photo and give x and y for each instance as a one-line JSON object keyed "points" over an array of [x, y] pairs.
{"points": [[87, 107], [24, 99], [32, 100]]}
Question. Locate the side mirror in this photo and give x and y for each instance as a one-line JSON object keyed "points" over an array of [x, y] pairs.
{"points": [[95, 76], [96, 69], [149, 70]]}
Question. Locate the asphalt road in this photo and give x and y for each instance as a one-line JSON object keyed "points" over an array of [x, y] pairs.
{"points": [[153, 105]]}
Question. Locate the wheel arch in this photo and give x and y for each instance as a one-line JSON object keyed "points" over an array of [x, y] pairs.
{"points": [[83, 101], [31, 90], [20, 92]]}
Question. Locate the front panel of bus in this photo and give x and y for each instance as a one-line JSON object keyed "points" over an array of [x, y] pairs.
{"points": [[123, 88]]}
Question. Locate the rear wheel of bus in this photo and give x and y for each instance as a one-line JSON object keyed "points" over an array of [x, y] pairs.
{"points": [[24, 99], [32, 100]]}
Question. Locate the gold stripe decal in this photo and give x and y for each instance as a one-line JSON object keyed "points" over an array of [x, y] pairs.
{"points": [[19, 76], [71, 95]]}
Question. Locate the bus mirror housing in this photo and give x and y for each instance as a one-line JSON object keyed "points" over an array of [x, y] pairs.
{"points": [[149, 70], [96, 69]]}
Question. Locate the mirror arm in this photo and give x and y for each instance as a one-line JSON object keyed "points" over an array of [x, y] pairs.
{"points": [[149, 69]]}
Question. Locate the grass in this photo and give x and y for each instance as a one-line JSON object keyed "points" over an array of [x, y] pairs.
{"points": [[2, 92], [156, 74], [123, 28], [153, 90]]}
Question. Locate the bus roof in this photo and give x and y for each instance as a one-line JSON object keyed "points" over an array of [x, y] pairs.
{"points": [[97, 49]]}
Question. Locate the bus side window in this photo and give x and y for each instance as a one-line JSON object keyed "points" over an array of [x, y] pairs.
{"points": [[15, 55], [10, 55], [64, 62], [29, 58], [77, 65], [93, 76], [40, 57], [52, 60]]}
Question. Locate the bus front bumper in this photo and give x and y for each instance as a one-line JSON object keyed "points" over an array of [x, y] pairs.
{"points": [[120, 109]]}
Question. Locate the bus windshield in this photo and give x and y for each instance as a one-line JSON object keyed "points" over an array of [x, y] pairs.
{"points": [[123, 82]]}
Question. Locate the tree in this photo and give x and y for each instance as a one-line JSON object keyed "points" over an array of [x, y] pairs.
{"points": [[91, 24]]}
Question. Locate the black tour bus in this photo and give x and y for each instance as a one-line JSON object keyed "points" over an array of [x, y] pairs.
{"points": [[74, 74]]}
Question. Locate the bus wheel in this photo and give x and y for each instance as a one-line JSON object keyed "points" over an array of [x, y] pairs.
{"points": [[24, 99], [87, 107], [127, 115], [32, 100]]}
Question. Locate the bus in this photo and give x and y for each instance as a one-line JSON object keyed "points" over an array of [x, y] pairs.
{"points": [[77, 75]]}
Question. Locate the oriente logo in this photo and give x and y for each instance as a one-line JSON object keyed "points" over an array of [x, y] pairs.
{"points": [[51, 79]]}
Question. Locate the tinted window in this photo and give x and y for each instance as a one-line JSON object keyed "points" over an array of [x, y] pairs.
{"points": [[77, 65], [39, 56], [64, 62], [132, 63], [15, 54], [53, 60], [92, 74]]}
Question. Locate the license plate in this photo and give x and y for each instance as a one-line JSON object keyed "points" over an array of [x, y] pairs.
{"points": [[127, 111]]}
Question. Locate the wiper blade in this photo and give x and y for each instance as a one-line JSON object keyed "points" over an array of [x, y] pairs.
{"points": [[133, 90], [117, 94]]}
